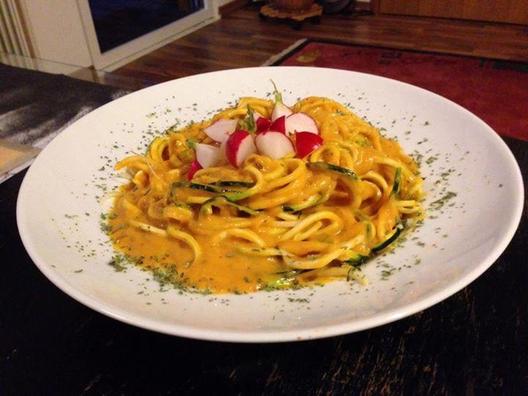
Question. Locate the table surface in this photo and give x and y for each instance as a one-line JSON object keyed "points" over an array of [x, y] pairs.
{"points": [[474, 342]]}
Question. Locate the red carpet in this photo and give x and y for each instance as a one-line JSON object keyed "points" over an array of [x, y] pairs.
{"points": [[496, 91]]}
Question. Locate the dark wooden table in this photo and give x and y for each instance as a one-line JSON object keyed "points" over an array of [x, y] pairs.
{"points": [[475, 342]]}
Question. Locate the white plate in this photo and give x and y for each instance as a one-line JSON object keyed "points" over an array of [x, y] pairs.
{"points": [[64, 192]]}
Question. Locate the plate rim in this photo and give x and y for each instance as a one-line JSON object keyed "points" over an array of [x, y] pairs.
{"points": [[279, 335]]}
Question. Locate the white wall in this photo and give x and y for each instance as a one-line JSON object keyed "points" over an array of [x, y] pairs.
{"points": [[56, 31]]}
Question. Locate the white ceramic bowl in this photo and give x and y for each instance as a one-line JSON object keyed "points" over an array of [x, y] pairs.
{"points": [[67, 188]]}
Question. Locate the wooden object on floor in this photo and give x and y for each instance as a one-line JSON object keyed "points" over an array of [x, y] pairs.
{"points": [[296, 17], [509, 11]]}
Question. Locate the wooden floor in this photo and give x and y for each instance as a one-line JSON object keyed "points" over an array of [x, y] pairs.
{"points": [[242, 39]]}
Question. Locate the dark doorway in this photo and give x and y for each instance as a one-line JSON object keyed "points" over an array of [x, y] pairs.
{"points": [[120, 21]]}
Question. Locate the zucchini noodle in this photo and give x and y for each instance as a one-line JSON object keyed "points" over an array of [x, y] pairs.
{"points": [[270, 223]]}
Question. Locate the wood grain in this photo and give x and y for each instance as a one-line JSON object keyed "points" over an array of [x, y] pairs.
{"points": [[510, 11], [230, 7], [241, 39]]}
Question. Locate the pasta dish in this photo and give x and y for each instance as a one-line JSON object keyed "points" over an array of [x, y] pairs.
{"points": [[265, 196]]}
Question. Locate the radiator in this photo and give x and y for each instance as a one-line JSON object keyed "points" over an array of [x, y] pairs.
{"points": [[13, 37]]}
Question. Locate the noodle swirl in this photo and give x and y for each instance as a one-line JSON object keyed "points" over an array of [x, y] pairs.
{"points": [[271, 223]]}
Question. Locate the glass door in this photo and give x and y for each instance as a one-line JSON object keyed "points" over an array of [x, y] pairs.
{"points": [[118, 31]]}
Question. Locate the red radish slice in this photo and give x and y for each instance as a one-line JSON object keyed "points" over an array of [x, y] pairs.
{"points": [[279, 125], [274, 144], [263, 124], [238, 147], [207, 155], [280, 110], [221, 129], [301, 122], [257, 115], [195, 167], [306, 143]]}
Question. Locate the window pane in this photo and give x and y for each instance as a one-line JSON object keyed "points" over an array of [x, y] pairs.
{"points": [[120, 21]]}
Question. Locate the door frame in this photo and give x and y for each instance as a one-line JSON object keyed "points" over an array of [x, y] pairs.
{"points": [[118, 56]]}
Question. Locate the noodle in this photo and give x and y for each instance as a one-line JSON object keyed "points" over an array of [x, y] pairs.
{"points": [[270, 223]]}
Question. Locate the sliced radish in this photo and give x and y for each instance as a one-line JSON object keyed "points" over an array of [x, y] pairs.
{"points": [[300, 122], [207, 155], [221, 129], [274, 144], [306, 143], [279, 125], [238, 147], [280, 110], [195, 167], [263, 124]]}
